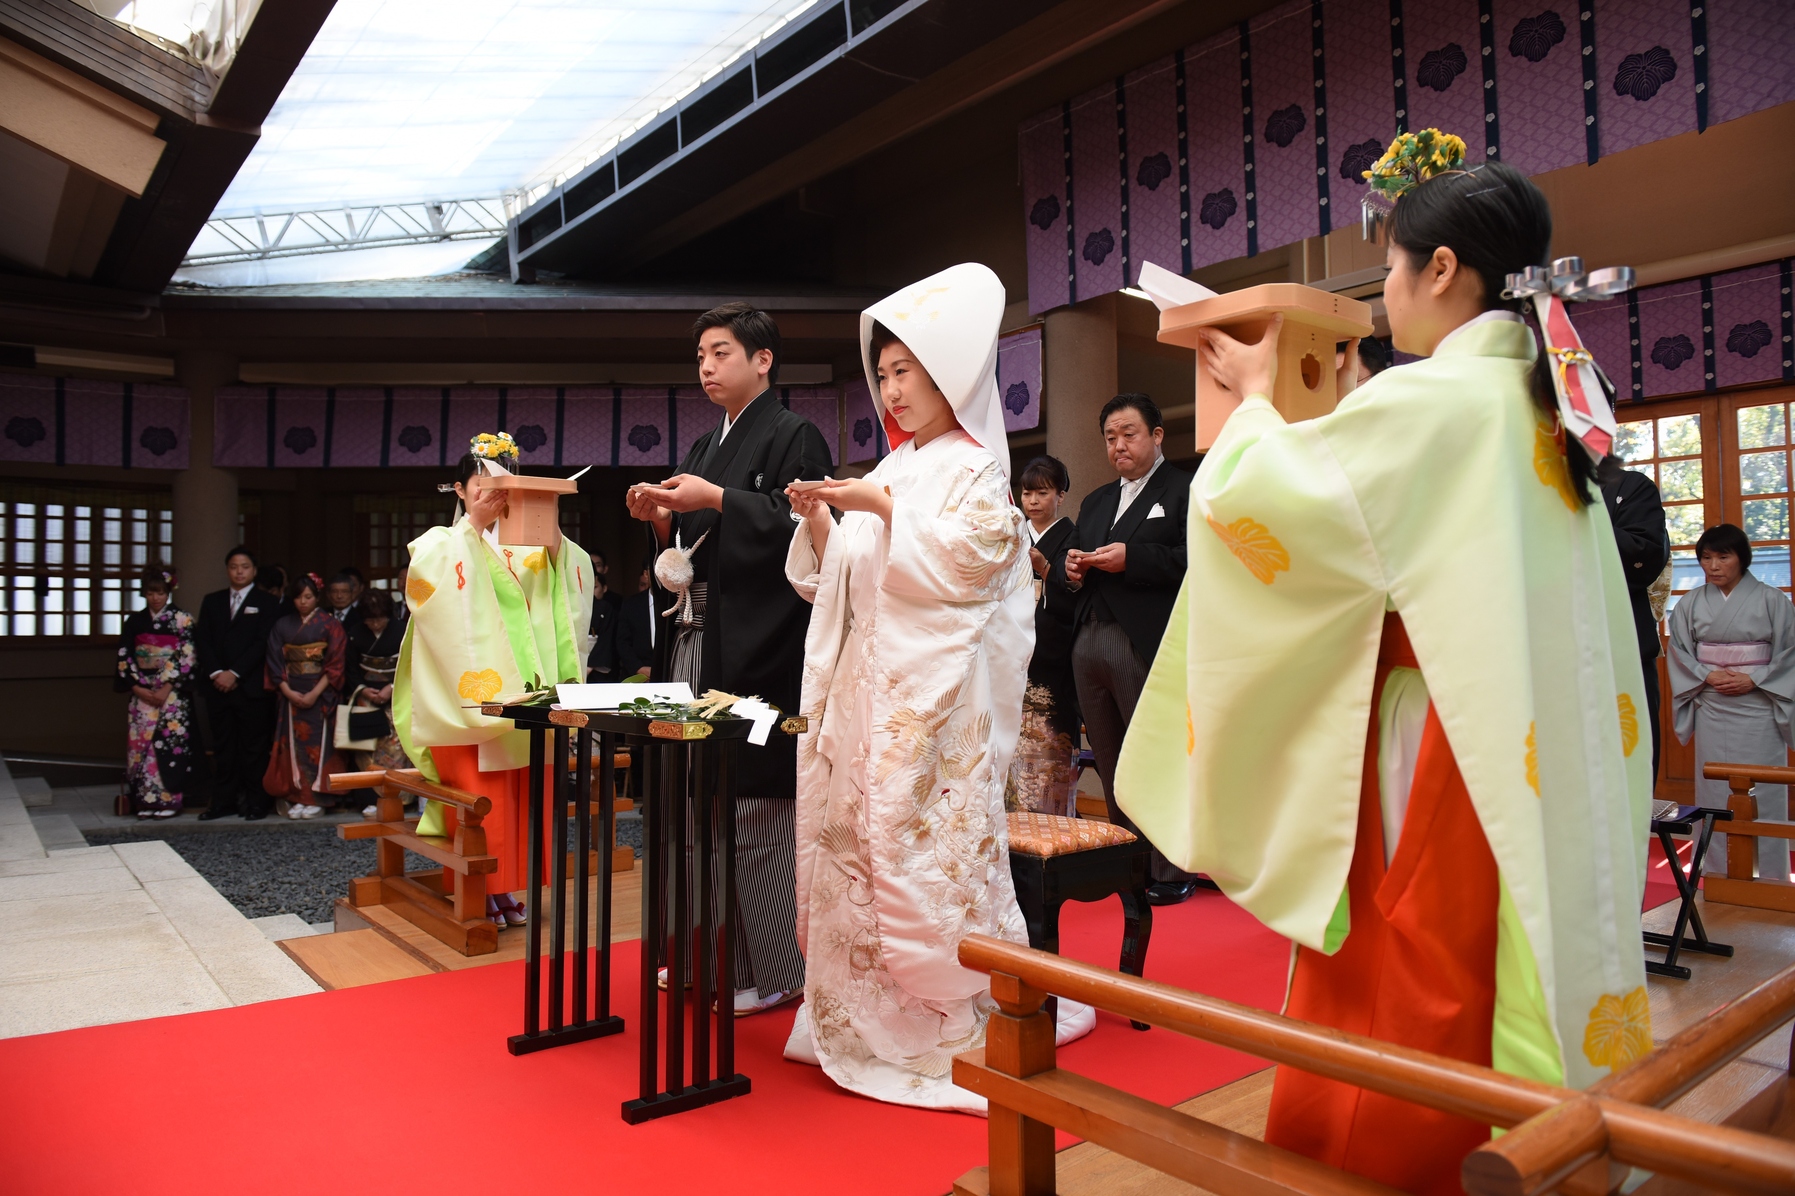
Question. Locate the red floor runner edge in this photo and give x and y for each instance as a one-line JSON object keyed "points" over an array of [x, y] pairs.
{"points": [[409, 1085]]}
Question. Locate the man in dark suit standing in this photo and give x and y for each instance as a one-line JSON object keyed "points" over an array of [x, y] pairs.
{"points": [[741, 627], [1126, 566], [1637, 512], [636, 631], [232, 643], [602, 662]]}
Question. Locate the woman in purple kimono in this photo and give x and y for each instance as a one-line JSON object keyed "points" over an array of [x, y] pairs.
{"points": [[155, 666], [306, 653]]}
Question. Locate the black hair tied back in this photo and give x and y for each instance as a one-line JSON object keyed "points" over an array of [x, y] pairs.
{"points": [[1497, 223]]}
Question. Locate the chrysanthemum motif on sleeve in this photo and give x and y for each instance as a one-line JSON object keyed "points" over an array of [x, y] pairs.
{"points": [[1629, 724], [1254, 546], [1620, 1029], [1549, 464], [482, 686], [418, 591], [1532, 760]]}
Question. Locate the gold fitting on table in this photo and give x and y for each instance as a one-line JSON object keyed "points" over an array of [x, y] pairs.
{"points": [[660, 730], [492, 708], [567, 718], [797, 724]]}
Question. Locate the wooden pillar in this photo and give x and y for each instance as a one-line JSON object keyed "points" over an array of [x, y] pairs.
{"points": [[205, 497], [1079, 376]]}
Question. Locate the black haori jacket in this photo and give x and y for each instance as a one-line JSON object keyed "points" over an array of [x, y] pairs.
{"points": [[754, 621]]}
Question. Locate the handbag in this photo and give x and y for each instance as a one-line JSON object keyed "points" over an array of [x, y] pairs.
{"points": [[356, 731], [277, 782]]}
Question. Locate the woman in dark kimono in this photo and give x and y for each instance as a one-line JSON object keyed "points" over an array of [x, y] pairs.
{"points": [[1044, 775], [155, 666], [374, 641], [306, 658]]}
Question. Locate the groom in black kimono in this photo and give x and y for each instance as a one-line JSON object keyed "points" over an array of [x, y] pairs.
{"points": [[744, 633]]}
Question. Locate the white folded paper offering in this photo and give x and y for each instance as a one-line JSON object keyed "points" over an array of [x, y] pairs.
{"points": [[610, 696]]}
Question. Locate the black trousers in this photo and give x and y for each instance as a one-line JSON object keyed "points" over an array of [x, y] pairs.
{"points": [[242, 727], [1110, 676]]}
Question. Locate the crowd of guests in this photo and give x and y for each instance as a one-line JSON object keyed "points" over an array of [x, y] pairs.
{"points": [[278, 682]]}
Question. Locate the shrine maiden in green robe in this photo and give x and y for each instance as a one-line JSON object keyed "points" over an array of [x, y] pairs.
{"points": [[486, 619], [1437, 491]]}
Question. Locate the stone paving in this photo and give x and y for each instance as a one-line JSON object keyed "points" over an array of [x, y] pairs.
{"points": [[95, 935]]}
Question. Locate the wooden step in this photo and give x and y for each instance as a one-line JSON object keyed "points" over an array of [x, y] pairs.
{"points": [[350, 958]]}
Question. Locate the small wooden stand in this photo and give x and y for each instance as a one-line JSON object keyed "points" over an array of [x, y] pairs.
{"points": [[1315, 322], [1740, 886], [459, 921], [531, 513]]}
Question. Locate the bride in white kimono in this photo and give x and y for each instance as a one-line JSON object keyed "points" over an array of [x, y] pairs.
{"points": [[1732, 683], [914, 668]]}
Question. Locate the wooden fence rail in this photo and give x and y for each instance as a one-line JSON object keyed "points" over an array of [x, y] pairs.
{"points": [[1564, 1130]]}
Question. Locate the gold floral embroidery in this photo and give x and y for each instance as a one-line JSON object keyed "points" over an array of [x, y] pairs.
{"points": [[419, 591], [482, 686], [537, 561], [1620, 1029], [1255, 547], [1532, 761], [1629, 724], [1190, 732], [1549, 463]]}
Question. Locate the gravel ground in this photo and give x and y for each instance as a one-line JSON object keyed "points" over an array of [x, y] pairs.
{"points": [[287, 870]]}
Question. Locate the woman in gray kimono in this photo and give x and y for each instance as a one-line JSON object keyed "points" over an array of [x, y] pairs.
{"points": [[1732, 681]]}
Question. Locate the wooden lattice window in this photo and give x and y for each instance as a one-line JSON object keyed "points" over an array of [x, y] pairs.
{"points": [[70, 559]]}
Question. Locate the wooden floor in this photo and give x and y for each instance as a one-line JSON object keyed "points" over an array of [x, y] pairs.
{"points": [[373, 944], [1764, 944]]}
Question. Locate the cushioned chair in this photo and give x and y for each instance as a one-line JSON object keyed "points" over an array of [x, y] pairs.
{"points": [[1055, 859]]}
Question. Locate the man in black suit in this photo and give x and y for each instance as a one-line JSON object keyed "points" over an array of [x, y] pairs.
{"points": [[232, 642], [1126, 566], [636, 631], [1637, 511], [607, 620]]}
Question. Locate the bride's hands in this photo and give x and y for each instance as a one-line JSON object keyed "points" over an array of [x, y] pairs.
{"points": [[1242, 369], [856, 494]]}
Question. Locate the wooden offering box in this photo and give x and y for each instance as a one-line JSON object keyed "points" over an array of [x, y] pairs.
{"points": [[1315, 322], [531, 513]]}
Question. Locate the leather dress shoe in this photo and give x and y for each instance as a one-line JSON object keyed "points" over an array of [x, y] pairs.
{"points": [[1169, 892], [212, 812], [254, 815]]}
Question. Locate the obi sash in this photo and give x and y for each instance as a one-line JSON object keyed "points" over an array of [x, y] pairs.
{"points": [[304, 660], [1732, 656], [379, 670]]}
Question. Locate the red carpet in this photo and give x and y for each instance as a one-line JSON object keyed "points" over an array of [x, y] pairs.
{"points": [[407, 1086]]}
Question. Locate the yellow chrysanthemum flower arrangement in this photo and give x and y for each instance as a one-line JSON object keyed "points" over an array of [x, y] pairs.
{"points": [[494, 446], [1414, 158]]}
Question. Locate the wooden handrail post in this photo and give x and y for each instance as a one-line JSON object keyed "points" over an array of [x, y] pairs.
{"points": [[1019, 1042], [1539, 1153], [1741, 850]]}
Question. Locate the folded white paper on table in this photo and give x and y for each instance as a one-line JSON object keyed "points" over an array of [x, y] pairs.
{"points": [[1169, 290], [763, 716], [610, 696]]}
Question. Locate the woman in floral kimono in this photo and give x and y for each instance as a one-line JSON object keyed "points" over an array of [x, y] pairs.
{"points": [[486, 619], [1396, 712], [306, 653], [914, 666], [155, 666], [1732, 683]]}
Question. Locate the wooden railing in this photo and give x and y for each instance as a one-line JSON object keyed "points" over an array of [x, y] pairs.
{"points": [[1563, 1134], [1738, 887], [421, 898]]}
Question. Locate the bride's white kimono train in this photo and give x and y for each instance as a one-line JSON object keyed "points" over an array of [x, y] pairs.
{"points": [[914, 668]]}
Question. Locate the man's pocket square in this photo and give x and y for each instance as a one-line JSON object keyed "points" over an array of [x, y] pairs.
{"points": [[1158, 512]]}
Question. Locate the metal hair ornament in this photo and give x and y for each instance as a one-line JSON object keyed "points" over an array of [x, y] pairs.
{"points": [[1575, 377]]}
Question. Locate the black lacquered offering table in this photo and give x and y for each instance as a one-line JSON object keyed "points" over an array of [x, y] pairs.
{"points": [[688, 920]]}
